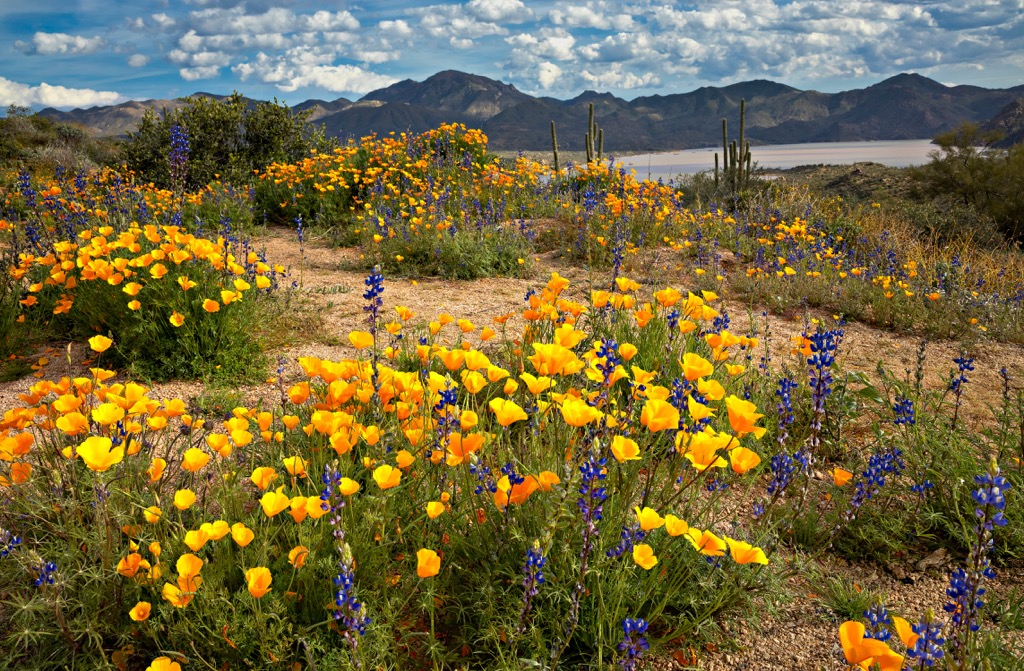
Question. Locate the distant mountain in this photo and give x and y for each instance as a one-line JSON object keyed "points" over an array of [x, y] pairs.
{"points": [[461, 95], [112, 120], [906, 106], [1009, 123]]}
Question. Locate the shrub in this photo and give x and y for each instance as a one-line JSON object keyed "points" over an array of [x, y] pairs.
{"points": [[228, 140]]}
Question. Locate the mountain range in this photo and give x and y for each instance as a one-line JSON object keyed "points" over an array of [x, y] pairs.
{"points": [[903, 107]]}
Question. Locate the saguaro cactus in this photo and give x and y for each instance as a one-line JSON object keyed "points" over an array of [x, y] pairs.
{"points": [[554, 145], [736, 161], [594, 139]]}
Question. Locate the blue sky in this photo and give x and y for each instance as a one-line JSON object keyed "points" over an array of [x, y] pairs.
{"points": [[70, 53]]}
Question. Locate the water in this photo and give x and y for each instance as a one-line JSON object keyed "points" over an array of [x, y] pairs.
{"points": [[896, 153]]}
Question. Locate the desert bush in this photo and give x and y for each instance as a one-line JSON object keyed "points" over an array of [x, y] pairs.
{"points": [[228, 140]]}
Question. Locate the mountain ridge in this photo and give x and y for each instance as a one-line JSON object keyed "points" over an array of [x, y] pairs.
{"points": [[904, 106]]}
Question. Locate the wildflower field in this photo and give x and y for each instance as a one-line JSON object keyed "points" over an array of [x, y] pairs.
{"points": [[405, 405]]}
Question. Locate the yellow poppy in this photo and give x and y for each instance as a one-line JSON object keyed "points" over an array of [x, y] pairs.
{"points": [[428, 563]]}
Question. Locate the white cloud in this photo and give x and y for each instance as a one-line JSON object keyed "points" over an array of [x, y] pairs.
{"points": [[548, 74], [513, 11], [234, 21], [310, 67], [138, 60], [591, 15], [399, 28], [455, 23], [203, 72], [49, 44], [163, 21], [16, 93]]}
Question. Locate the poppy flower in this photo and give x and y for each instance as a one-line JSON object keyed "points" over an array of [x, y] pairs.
{"points": [[386, 476], [743, 459], [644, 556], [297, 556], [360, 339], [156, 469], [211, 305], [675, 526], [184, 498], [176, 319], [73, 423], [473, 381], [434, 509], [627, 351], [577, 412], [296, 466], [241, 534], [649, 518], [515, 494], [188, 566], [706, 542], [152, 514], [625, 449], [106, 414], [348, 487], [695, 366], [258, 581], [100, 343], [216, 530], [274, 502], [698, 411], [298, 511], [905, 631], [743, 417], [428, 563], [745, 553], [130, 565], [163, 664], [194, 459], [547, 480], [196, 539], [185, 283], [140, 611], [99, 454], [841, 476], [507, 412], [659, 415], [536, 385], [262, 476], [866, 652]]}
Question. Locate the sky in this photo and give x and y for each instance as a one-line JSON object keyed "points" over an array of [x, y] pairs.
{"points": [[80, 53]]}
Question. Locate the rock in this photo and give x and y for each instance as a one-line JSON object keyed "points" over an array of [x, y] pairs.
{"points": [[936, 559]]}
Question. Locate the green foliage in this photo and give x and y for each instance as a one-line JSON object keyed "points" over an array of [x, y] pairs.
{"points": [[965, 169], [36, 142], [228, 140], [465, 254]]}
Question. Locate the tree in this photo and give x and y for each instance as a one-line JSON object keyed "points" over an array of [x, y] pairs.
{"points": [[966, 169]]}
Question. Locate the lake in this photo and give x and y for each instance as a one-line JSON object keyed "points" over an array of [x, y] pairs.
{"points": [[896, 153]]}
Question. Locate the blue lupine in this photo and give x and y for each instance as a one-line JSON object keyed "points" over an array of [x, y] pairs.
{"points": [[633, 644]]}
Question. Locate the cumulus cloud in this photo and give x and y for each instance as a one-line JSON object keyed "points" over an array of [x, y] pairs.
{"points": [[310, 67], [513, 11], [49, 44], [399, 28], [138, 60], [163, 21], [25, 95], [201, 72], [548, 74], [599, 15]]}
